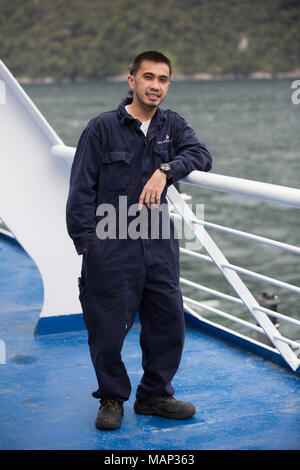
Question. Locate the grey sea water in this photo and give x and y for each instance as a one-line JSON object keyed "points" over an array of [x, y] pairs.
{"points": [[252, 129]]}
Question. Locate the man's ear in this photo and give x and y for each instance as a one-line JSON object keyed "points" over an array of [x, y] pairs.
{"points": [[130, 79]]}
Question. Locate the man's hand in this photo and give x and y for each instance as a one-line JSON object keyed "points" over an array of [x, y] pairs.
{"points": [[152, 190]]}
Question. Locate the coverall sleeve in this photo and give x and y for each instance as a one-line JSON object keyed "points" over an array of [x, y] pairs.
{"points": [[82, 198], [191, 154]]}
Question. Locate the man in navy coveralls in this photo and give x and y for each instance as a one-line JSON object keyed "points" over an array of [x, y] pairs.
{"points": [[134, 152]]}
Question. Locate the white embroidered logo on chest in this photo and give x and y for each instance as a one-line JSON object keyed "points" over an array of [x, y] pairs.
{"points": [[166, 141]]}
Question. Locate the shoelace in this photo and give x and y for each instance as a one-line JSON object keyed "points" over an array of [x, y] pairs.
{"points": [[113, 403]]}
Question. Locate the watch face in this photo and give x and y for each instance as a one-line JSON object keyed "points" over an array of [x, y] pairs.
{"points": [[165, 167]]}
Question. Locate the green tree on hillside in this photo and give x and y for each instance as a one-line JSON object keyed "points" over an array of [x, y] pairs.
{"points": [[97, 38]]}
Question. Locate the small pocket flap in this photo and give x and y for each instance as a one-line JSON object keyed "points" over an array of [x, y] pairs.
{"points": [[113, 157]]}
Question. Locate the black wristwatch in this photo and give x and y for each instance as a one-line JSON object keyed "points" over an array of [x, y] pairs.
{"points": [[166, 168]]}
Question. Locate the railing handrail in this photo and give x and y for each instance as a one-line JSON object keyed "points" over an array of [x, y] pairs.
{"points": [[244, 187], [229, 184]]}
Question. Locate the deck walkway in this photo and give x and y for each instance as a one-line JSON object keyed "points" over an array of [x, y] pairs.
{"points": [[243, 401]]}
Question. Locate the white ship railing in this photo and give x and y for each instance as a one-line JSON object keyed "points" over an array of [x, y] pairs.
{"points": [[288, 348]]}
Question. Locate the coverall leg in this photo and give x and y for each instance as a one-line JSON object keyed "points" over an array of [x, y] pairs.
{"points": [[120, 279], [162, 319]]}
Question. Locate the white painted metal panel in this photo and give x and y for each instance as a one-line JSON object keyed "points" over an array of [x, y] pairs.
{"points": [[33, 192]]}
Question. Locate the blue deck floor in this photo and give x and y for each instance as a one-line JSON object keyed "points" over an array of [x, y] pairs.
{"points": [[243, 401]]}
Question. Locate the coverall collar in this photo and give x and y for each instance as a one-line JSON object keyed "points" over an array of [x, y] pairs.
{"points": [[157, 120]]}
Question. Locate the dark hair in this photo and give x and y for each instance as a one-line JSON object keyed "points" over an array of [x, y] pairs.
{"points": [[153, 56]]}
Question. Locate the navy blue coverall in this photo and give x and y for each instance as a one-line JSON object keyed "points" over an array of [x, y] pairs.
{"points": [[123, 276]]}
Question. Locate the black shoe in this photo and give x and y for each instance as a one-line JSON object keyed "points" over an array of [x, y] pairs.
{"points": [[110, 414], [167, 407]]}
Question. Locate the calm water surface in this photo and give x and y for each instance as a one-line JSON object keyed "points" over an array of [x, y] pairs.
{"points": [[252, 130]]}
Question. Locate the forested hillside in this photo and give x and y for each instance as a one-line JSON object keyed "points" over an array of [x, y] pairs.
{"points": [[98, 38]]}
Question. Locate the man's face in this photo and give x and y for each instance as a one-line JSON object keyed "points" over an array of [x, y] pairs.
{"points": [[150, 84]]}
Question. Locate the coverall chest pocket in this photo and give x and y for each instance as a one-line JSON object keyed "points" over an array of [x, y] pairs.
{"points": [[116, 170]]}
